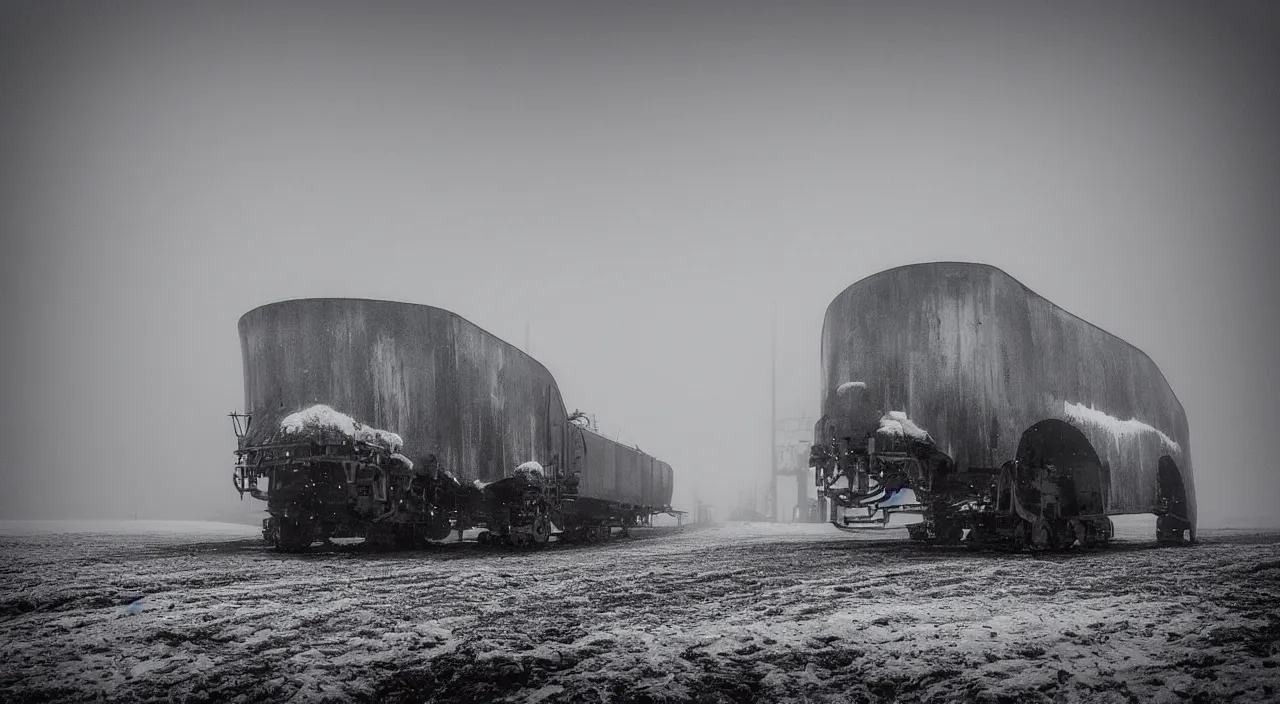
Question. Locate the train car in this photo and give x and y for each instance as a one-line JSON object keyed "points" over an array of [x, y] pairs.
{"points": [[402, 423], [957, 397]]}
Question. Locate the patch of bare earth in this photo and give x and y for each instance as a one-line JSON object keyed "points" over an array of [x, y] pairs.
{"points": [[733, 613]]}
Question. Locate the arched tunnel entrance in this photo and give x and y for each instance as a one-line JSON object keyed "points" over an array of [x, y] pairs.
{"points": [[1171, 503], [1078, 475]]}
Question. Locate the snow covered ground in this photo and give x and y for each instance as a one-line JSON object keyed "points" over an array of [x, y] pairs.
{"points": [[166, 530], [737, 612]]}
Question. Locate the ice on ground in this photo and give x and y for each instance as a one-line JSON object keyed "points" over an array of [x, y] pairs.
{"points": [[841, 389], [897, 423], [322, 417], [1118, 429]]}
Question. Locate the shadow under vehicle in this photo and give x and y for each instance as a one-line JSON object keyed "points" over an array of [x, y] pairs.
{"points": [[955, 397], [401, 424]]}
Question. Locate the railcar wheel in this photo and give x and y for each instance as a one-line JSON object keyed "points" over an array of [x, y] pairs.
{"points": [[1079, 533], [1019, 540], [1170, 531], [380, 538], [1104, 531], [1041, 536], [975, 540], [270, 532], [438, 527], [292, 537], [404, 538], [541, 529], [950, 533]]}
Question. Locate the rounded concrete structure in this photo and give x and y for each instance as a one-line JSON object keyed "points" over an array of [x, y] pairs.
{"points": [[451, 390], [977, 360]]}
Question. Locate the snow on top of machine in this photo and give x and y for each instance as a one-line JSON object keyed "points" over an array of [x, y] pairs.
{"points": [[841, 389], [897, 423], [319, 416], [322, 417], [1118, 428], [530, 470], [402, 459]]}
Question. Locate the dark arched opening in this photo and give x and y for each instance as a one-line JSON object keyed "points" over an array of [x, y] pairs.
{"points": [[1171, 495], [1171, 503], [1078, 471]]}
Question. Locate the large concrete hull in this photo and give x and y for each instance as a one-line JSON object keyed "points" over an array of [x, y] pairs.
{"points": [[450, 389], [975, 358]]}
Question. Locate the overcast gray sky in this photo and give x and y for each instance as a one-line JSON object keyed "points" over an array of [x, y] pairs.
{"points": [[646, 185]]}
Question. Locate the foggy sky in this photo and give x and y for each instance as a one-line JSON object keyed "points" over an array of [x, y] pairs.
{"points": [[647, 186]]}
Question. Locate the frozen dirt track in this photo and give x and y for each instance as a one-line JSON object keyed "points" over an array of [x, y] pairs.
{"points": [[728, 613]]}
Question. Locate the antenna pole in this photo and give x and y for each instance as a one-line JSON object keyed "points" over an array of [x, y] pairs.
{"points": [[773, 417]]}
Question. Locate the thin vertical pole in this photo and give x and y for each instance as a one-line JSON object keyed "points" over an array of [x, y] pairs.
{"points": [[773, 417]]}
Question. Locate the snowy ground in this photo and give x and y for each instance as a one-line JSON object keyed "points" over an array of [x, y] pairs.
{"points": [[740, 612]]}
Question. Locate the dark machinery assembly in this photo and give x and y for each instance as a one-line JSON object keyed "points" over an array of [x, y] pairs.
{"points": [[477, 434], [954, 395]]}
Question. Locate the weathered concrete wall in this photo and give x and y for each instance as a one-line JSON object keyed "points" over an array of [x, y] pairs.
{"points": [[446, 386], [975, 358]]}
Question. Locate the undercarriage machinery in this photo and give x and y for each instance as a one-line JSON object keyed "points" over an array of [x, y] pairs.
{"points": [[1036, 501], [324, 484]]}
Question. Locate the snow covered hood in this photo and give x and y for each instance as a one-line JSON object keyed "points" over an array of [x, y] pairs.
{"points": [[897, 423], [323, 418]]}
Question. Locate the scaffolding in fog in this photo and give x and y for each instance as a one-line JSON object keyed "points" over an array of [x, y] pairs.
{"points": [[798, 502], [791, 440]]}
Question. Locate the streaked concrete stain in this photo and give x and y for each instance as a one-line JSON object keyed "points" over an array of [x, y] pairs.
{"points": [[976, 358]]}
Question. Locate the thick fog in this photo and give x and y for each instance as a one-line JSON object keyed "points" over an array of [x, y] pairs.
{"points": [[647, 188]]}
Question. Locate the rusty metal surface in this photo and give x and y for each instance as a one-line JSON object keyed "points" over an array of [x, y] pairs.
{"points": [[623, 473], [665, 483], [448, 387], [975, 358]]}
